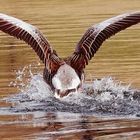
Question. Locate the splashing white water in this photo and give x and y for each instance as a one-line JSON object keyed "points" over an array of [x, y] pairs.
{"points": [[104, 96], [31, 84], [109, 84], [37, 88], [23, 76], [107, 87]]}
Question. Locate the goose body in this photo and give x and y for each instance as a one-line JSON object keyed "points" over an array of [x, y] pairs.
{"points": [[66, 76]]}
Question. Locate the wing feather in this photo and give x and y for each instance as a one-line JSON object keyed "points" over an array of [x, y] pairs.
{"points": [[97, 34], [32, 36]]}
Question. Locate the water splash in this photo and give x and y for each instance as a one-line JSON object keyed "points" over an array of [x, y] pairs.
{"points": [[23, 76], [106, 96]]}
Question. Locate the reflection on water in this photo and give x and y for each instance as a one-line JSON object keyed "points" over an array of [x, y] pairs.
{"points": [[69, 126], [63, 22]]}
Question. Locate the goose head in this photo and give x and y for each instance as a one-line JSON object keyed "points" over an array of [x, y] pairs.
{"points": [[65, 81]]}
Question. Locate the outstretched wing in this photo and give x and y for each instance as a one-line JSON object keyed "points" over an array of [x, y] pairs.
{"points": [[96, 35], [33, 37]]}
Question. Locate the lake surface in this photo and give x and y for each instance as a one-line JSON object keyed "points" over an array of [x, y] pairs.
{"points": [[26, 112]]}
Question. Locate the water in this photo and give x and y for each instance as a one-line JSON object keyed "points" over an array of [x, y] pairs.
{"points": [[106, 108], [102, 97]]}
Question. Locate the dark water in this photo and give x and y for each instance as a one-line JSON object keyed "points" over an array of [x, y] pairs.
{"points": [[106, 108]]}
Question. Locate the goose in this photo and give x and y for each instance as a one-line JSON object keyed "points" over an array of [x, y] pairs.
{"points": [[65, 76]]}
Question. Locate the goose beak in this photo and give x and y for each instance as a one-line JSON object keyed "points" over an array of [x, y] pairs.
{"points": [[61, 94], [65, 93]]}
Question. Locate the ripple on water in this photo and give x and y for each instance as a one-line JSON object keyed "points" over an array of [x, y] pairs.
{"points": [[104, 96]]}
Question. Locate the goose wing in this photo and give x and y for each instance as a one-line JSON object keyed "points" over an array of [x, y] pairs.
{"points": [[96, 35], [32, 36]]}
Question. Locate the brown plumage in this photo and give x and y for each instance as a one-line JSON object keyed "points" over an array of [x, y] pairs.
{"points": [[97, 34], [57, 68]]}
